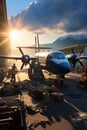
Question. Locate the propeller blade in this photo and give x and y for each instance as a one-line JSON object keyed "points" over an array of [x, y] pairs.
{"points": [[81, 53], [21, 51], [81, 63], [22, 66], [73, 65], [73, 51]]}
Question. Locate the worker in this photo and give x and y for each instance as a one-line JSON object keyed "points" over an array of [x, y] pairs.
{"points": [[35, 72], [1, 75], [83, 79], [14, 71], [84, 75], [38, 72], [30, 70], [55, 85], [46, 97]]}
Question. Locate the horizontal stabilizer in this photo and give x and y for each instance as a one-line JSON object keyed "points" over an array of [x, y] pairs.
{"points": [[31, 47]]}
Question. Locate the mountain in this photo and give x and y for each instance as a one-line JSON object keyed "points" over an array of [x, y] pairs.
{"points": [[68, 40]]}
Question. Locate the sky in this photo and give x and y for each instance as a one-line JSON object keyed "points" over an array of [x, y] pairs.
{"points": [[49, 18], [15, 8]]}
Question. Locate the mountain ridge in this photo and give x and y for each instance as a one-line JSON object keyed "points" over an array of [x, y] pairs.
{"points": [[68, 40]]}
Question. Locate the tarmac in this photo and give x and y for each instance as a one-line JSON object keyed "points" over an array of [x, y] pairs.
{"points": [[69, 114]]}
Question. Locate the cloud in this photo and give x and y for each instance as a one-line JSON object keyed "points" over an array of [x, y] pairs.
{"points": [[64, 15]]}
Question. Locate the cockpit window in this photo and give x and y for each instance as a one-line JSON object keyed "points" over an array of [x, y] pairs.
{"points": [[59, 56]]}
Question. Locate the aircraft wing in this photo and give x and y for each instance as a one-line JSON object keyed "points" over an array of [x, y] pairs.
{"points": [[76, 47], [76, 57], [15, 58], [81, 57], [10, 57]]}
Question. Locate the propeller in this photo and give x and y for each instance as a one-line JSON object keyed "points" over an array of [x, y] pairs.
{"points": [[75, 58], [25, 59]]}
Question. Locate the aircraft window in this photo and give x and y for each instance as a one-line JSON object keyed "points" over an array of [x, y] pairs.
{"points": [[59, 56]]}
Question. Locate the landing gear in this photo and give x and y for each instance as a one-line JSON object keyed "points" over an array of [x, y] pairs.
{"points": [[60, 80]]}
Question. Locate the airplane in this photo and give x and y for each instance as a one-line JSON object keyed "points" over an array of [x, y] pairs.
{"points": [[56, 62], [53, 61]]}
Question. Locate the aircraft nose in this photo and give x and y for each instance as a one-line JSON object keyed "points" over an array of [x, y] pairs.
{"points": [[65, 67], [58, 67]]}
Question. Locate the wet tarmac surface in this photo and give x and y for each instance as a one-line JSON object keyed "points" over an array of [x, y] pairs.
{"points": [[69, 114]]}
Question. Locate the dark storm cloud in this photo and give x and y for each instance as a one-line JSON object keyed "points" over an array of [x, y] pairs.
{"points": [[67, 15]]}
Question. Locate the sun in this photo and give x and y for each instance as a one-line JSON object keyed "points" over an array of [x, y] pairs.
{"points": [[14, 34], [15, 37], [21, 38]]}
